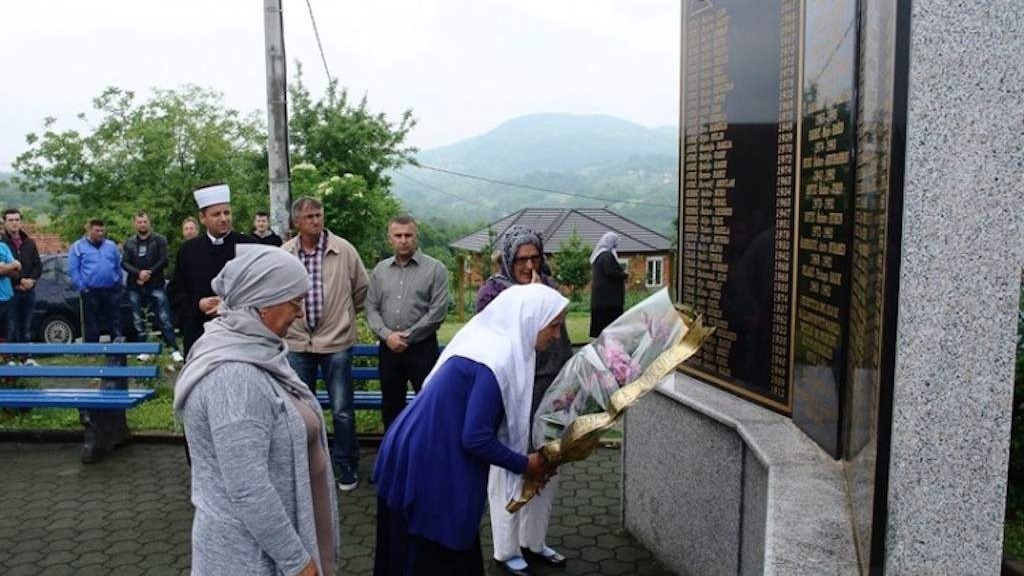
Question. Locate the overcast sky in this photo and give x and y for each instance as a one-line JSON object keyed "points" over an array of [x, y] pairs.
{"points": [[463, 66]]}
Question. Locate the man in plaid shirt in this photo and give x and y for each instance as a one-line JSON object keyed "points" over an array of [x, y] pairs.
{"points": [[321, 341]]}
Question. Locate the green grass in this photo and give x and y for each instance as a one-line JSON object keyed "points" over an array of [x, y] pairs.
{"points": [[578, 324]]}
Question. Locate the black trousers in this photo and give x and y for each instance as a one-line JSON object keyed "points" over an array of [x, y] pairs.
{"points": [[399, 370]]}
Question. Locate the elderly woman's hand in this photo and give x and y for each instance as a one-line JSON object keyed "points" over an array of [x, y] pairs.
{"points": [[209, 305], [538, 469], [309, 569]]}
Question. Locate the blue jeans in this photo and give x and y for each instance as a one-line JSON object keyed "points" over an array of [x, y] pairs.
{"points": [[19, 316], [156, 299], [102, 308], [336, 370]]}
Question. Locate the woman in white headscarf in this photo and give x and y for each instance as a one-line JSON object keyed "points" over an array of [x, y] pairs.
{"points": [[521, 539], [473, 412], [607, 284], [261, 477]]}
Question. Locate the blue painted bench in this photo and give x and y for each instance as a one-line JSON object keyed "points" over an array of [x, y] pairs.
{"points": [[364, 399], [101, 411]]}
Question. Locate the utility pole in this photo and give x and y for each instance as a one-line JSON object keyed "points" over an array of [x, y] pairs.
{"points": [[277, 118]]}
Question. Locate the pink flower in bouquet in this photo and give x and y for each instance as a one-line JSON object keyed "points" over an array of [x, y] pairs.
{"points": [[656, 327], [564, 401], [621, 365]]}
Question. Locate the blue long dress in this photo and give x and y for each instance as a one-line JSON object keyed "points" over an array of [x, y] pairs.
{"points": [[431, 473]]}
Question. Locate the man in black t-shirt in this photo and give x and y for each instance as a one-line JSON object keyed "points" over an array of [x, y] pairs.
{"points": [[262, 232], [145, 257]]}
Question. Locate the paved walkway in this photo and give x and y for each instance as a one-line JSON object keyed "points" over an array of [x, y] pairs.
{"points": [[130, 515]]}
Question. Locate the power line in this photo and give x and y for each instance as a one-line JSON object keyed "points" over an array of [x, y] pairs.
{"points": [[436, 189], [541, 189], [316, 32]]}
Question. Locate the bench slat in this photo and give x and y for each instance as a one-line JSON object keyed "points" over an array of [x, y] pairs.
{"points": [[365, 373], [92, 348], [371, 350], [365, 350], [74, 398], [79, 371], [363, 399]]}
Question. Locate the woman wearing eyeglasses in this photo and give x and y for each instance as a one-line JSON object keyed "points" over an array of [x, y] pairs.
{"points": [[262, 482], [521, 537]]}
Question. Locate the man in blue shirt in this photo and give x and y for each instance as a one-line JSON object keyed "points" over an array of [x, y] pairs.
{"points": [[8, 267], [95, 268]]}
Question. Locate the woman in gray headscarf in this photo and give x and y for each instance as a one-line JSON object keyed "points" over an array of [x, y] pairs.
{"points": [[261, 476], [607, 284]]}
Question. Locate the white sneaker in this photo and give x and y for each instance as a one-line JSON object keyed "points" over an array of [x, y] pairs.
{"points": [[177, 357], [144, 357], [348, 486], [30, 362]]}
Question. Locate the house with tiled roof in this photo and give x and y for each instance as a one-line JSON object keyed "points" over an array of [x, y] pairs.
{"points": [[646, 254]]}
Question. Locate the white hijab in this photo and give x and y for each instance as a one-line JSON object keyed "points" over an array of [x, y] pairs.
{"points": [[607, 243], [502, 337]]}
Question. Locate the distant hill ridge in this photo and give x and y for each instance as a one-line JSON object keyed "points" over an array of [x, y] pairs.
{"points": [[555, 142], [596, 155]]}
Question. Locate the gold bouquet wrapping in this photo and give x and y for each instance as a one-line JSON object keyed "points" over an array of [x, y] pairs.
{"points": [[583, 434]]}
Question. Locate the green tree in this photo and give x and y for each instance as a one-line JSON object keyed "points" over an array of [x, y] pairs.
{"points": [[572, 265], [341, 154], [131, 155]]}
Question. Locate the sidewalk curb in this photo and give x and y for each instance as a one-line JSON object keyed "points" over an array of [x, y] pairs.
{"points": [[145, 437], [161, 437]]}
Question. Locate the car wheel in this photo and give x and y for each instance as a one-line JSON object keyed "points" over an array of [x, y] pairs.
{"points": [[57, 330]]}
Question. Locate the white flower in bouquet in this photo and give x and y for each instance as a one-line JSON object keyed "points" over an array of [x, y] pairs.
{"points": [[617, 357]]}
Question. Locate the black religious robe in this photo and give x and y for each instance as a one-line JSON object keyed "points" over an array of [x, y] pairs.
{"points": [[198, 262]]}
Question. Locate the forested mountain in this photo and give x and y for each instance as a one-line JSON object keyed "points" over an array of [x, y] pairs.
{"points": [[599, 156], [12, 196]]}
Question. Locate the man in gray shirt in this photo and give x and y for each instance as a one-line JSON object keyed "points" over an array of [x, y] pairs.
{"points": [[406, 304]]}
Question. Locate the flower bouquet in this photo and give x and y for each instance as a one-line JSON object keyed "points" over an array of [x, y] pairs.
{"points": [[607, 376]]}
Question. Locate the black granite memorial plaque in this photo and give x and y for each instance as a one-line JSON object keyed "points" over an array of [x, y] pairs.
{"points": [[739, 175], [793, 115], [766, 206]]}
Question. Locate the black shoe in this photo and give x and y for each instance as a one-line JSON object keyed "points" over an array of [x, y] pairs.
{"points": [[92, 454], [554, 559], [512, 571]]}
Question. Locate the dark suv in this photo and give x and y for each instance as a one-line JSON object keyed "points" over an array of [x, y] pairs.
{"points": [[57, 318]]}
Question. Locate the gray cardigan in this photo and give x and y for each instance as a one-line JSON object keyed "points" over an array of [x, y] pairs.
{"points": [[250, 476]]}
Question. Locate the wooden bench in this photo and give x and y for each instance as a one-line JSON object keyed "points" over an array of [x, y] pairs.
{"points": [[101, 410]]}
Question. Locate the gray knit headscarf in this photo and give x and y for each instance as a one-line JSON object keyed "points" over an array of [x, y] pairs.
{"points": [[512, 240], [258, 277]]}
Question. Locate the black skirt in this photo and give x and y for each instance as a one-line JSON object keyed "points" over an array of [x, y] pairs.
{"points": [[400, 553], [600, 318]]}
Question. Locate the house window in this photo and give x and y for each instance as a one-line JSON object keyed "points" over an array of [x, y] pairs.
{"points": [[654, 271]]}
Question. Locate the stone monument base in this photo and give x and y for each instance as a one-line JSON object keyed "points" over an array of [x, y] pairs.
{"points": [[714, 485]]}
